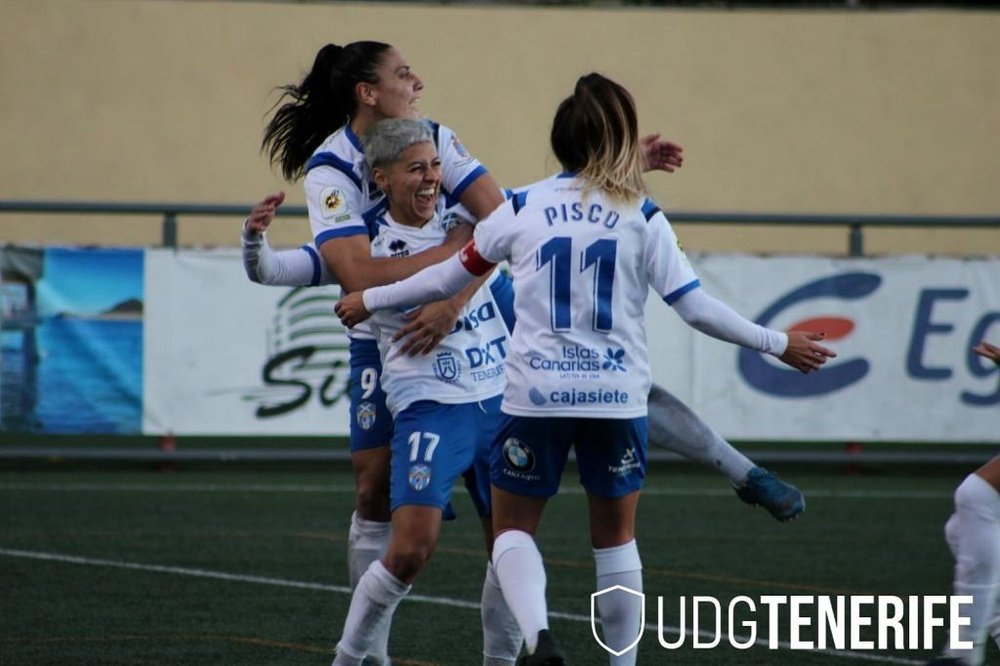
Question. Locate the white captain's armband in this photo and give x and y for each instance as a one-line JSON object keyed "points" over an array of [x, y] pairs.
{"points": [[333, 204]]}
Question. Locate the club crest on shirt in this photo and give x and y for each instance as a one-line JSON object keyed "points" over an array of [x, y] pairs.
{"points": [[333, 204], [419, 477], [446, 367], [366, 415]]}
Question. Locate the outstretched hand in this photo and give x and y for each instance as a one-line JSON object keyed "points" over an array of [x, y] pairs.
{"points": [[351, 309], [986, 350], [660, 155], [262, 214], [804, 353]]}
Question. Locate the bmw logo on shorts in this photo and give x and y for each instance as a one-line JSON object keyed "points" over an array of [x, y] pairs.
{"points": [[518, 455], [366, 415], [420, 477]]}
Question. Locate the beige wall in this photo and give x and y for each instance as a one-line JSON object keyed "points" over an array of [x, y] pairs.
{"points": [[823, 112]]}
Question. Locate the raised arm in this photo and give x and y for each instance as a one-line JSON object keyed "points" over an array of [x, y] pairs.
{"points": [[711, 316], [437, 282], [674, 278], [299, 267]]}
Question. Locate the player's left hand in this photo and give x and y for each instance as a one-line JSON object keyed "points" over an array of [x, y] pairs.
{"points": [[804, 353], [427, 326], [351, 309], [659, 154]]}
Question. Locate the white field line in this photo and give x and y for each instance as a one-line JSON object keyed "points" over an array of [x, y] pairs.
{"points": [[416, 598], [342, 488]]}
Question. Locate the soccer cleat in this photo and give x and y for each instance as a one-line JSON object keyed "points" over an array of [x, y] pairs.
{"points": [[547, 652], [762, 488]]}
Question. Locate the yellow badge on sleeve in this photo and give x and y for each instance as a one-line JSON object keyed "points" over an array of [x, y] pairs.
{"points": [[333, 204]]}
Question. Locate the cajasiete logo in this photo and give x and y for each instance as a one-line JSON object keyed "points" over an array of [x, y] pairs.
{"points": [[840, 622]]}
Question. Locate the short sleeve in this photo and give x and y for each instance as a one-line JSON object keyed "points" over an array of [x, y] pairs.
{"points": [[459, 169], [335, 205], [670, 271], [494, 235]]}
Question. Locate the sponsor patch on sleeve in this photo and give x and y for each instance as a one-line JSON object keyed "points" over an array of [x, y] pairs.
{"points": [[459, 148], [333, 204], [463, 156]]}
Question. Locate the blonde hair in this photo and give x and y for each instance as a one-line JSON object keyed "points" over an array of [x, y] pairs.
{"points": [[595, 134]]}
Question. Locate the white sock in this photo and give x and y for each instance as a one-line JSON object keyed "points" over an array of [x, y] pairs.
{"points": [[673, 426], [521, 574], [973, 534], [367, 541], [994, 625], [501, 636], [621, 612], [374, 600]]}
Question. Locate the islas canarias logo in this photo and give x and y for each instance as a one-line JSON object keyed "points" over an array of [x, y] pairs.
{"points": [[787, 383]]}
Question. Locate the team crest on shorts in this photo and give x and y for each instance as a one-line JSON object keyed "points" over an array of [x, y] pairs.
{"points": [[446, 367], [518, 455], [366, 415], [420, 477]]}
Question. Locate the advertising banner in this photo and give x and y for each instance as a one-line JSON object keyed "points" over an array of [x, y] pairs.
{"points": [[72, 340], [225, 356], [163, 341], [902, 328]]}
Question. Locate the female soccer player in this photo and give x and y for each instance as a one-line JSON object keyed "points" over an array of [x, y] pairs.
{"points": [[973, 535], [316, 132], [446, 406], [584, 247]]}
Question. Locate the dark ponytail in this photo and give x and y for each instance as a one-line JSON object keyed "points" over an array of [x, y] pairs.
{"points": [[322, 103]]}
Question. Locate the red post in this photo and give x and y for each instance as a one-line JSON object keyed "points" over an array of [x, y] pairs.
{"points": [[168, 444]]}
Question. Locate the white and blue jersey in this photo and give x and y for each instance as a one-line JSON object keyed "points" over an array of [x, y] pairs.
{"points": [[343, 199], [467, 365], [446, 404], [582, 265]]}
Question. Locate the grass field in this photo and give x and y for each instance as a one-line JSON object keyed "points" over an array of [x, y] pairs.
{"points": [[246, 564]]}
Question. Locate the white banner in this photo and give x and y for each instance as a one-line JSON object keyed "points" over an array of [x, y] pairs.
{"points": [[225, 356], [902, 328]]}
